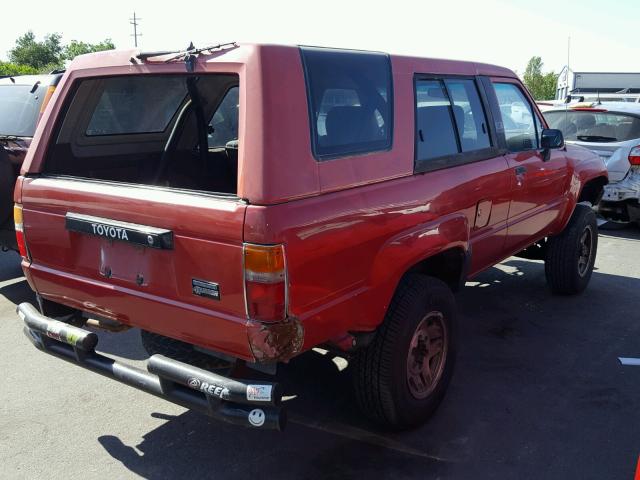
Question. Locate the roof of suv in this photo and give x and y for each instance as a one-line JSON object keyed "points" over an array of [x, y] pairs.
{"points": [[241, 53], [279, 135]]}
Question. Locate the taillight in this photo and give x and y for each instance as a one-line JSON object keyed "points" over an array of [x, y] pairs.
{"points": [[20, 240], [634, 156], [265, 282]]}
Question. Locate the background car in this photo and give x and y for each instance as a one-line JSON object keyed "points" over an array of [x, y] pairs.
{"points": [[611, 130], [22, 101]]}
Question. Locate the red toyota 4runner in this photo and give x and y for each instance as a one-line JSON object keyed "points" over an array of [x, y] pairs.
{"points": [[244, 204]]}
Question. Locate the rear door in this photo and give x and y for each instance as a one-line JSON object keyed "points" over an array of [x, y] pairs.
{"points": [[112, 232], [154, 242], [454, 130], [538, 184]]}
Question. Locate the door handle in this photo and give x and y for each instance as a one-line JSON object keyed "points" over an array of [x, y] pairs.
{"points": [[521, 171]]}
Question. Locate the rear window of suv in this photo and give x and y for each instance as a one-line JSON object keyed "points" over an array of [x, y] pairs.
{"points": [[176, 131], [350, 101], [593, 126], [136, 105]]}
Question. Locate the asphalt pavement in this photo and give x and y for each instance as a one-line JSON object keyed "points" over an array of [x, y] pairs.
{"points": [[538, 393]]}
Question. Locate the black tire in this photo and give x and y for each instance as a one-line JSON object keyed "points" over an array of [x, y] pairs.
{"points": [[381, 370], [565, 266], [181, 351]]}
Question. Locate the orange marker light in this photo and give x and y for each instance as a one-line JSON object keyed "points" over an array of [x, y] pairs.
{"points": [[264, 258]]}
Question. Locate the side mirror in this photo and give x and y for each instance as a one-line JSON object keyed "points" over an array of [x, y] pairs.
{"points": [[551, 138]]}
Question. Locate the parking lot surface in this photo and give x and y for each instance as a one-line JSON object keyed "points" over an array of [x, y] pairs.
{"points": [[538, 392]]}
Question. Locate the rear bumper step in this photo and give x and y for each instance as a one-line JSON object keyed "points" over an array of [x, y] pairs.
{"points": [[250, 404]]}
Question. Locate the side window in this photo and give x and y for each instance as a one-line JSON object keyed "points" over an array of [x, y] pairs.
{"points": [[436, 132], [350, 106], [223, 127], [517, 118], [450, 118], [469, 114]]}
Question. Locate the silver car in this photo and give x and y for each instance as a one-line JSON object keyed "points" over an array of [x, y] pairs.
{"points": [[611, 130]]}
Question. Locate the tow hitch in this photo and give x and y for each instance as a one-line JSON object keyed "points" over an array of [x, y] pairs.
{"points": [[247, 403]]}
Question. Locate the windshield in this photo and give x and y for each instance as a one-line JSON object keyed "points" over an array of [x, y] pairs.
{"points": [[19, 109], [589, 126]]}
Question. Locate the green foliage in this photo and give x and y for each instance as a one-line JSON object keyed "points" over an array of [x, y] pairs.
{"points": [[76, 48], [32, 56], [39, 55], [541, 85], [12, 69]]}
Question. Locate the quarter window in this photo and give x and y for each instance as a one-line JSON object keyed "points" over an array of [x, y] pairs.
{"points": [[517, 118], [350, 106]]}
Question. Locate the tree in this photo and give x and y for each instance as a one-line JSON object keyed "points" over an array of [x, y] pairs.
{"points": [[12, 69], [46, 55], [76, 48], [541, 85], [41, 55]]}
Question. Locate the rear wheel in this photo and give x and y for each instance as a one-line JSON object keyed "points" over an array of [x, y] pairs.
{"points": [[181, 351], [401, 377], [571, 255]]}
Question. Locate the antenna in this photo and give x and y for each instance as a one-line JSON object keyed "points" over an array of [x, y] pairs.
{"points": [[134, 21], [568, 63], [568, 52]]}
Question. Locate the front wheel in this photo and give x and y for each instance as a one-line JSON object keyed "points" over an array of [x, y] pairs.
{"points": [[570, 256], [401, 377]]}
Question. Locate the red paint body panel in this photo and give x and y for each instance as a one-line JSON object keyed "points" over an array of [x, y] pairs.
{"points": [[351, 226], [68, 267]]}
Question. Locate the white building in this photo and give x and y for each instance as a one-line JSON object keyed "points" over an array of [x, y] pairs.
{"points": [[570, 82]]}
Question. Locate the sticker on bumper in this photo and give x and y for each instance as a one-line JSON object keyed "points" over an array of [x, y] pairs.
{"points": [[256, 417], [209, 388], [259, 393]]}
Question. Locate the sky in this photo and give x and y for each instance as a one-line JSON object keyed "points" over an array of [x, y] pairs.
{"points": [[603, 34]]}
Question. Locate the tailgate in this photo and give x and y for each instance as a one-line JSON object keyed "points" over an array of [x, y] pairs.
{"points": [[87, 244]]}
